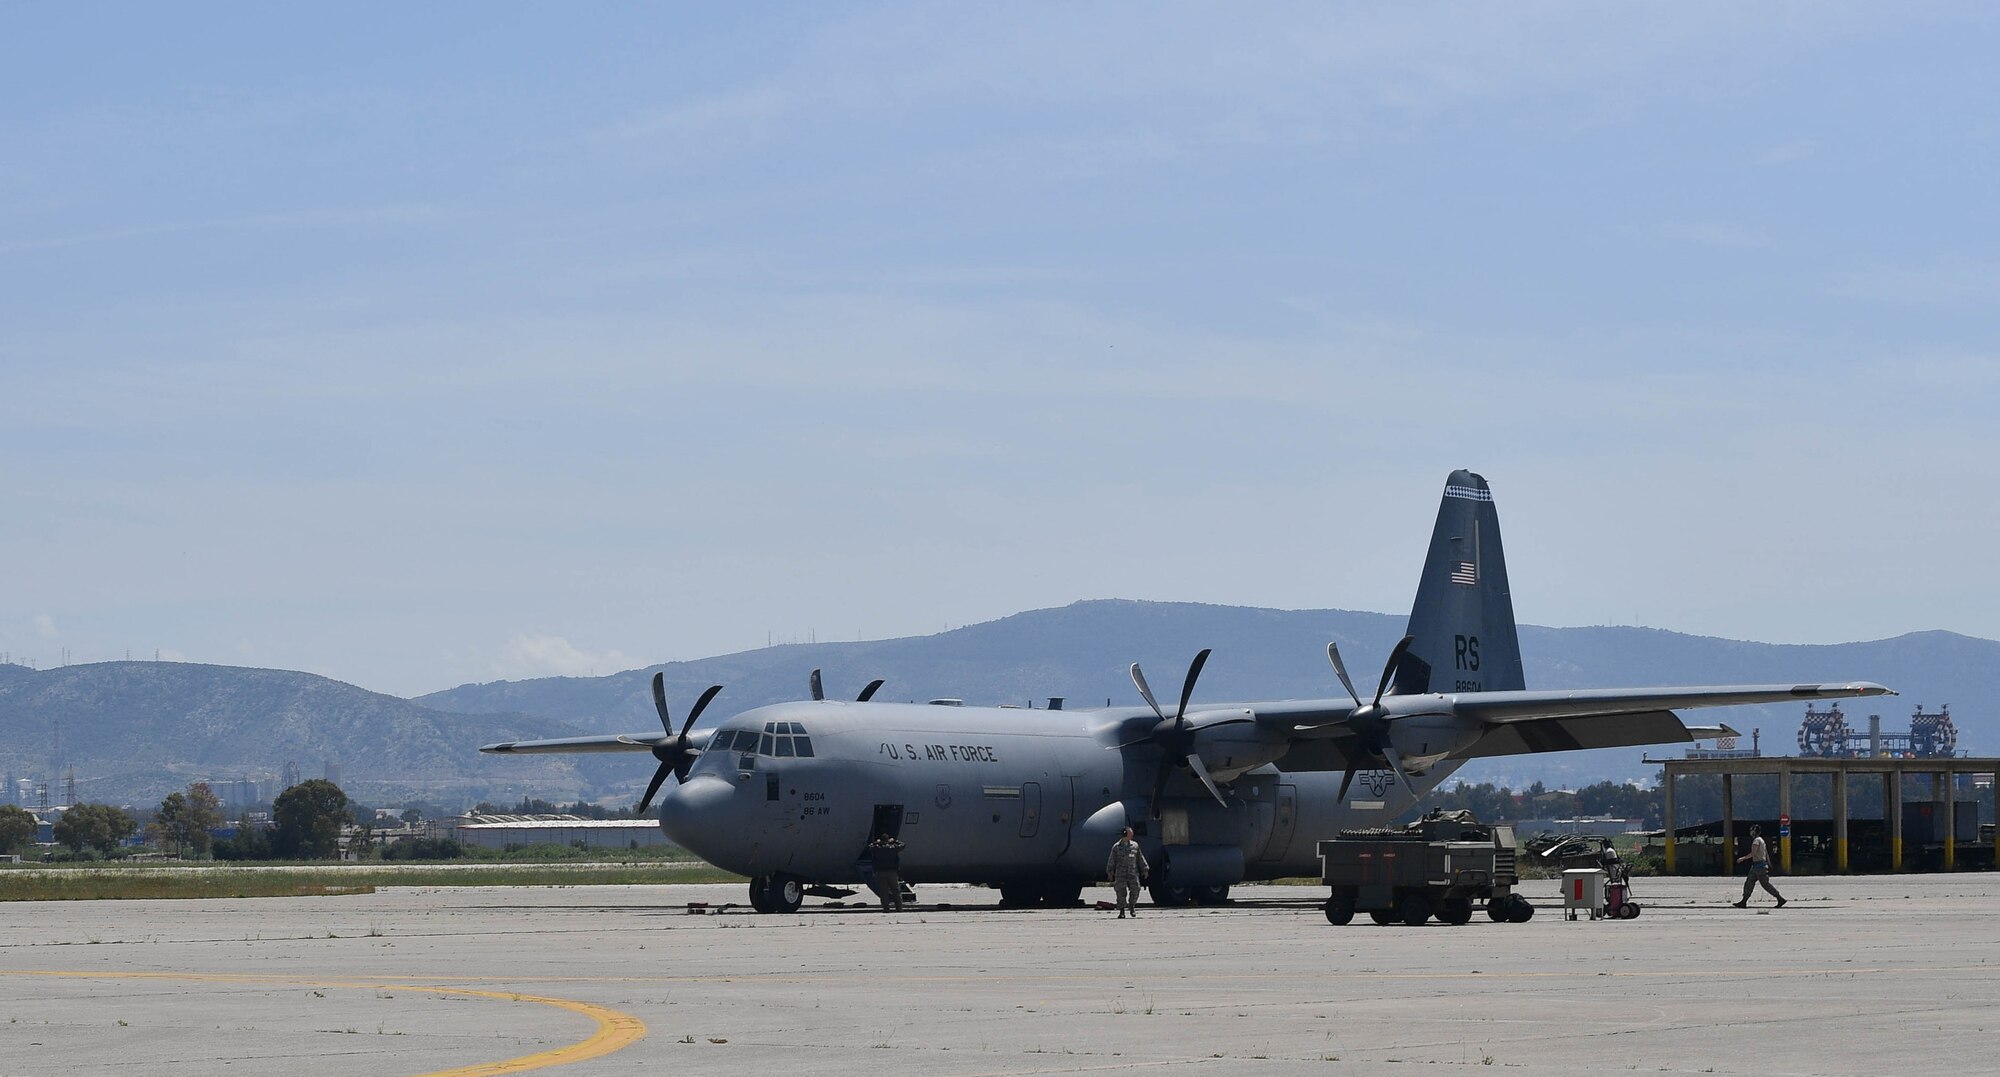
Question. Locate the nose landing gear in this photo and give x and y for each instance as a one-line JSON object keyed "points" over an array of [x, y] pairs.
{"points": [[777, 893]]}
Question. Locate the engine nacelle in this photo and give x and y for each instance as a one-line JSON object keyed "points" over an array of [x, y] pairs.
{"points": [[1232, 743], [1425, 739]]}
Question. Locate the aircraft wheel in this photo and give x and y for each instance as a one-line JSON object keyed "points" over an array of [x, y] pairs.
{"points": [[1211, 895], [1414, 909], [1519, 909], [788, 892], [1629, 911], [1382, 916], [1339, 910], [1455, 911], [1497, 909], [760, 894], [1019, 896], [1167, 895]]}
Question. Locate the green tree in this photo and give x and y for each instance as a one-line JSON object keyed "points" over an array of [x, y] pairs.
{"points": [[309, 816], [169, 826], [99, 826], [252, 842], [17, 828], [184, 821], [204, 814]]}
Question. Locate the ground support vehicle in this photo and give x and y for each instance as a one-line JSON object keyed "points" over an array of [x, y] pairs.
{"points": [[1440, 865]]}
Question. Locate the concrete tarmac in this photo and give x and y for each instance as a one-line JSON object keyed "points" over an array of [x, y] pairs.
{"points": [[1865, 975]]}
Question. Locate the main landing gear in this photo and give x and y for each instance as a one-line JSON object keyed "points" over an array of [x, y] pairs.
{"points": [[1041, 895], [1166, 895]]}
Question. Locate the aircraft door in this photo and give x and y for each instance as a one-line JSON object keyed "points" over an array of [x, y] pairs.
{"points": [[1285, 821], [1031, 808], [888, 820]]}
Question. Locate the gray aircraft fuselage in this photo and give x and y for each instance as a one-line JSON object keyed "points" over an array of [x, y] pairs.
{"points": [[992, 795]]}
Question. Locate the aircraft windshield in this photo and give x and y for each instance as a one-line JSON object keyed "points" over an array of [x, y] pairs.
{"points": [[781, 740]]}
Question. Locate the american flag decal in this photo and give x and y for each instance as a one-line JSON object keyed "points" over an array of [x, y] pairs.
{"points": [[1469, 493], [1466, 573]]}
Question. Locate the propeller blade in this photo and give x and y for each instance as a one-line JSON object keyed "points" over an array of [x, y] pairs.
{"points": [[1187, 687], [659, 776], [1389, 668], [868, 693], [1201, 771], [660, 701], [1346, 780], [818, 690], [1396, 763], [1145, 693], [699, 705], [1340, 670]]}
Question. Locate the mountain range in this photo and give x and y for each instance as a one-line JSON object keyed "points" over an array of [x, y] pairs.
{"points": [[136, 730]]}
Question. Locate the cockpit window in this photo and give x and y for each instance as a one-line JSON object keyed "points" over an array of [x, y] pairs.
{"points": [[785, 740], [782, 740]]}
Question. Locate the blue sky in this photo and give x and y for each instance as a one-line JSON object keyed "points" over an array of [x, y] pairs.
{"points": [[416, 346]]}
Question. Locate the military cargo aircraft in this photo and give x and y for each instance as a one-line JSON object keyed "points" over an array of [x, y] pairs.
{"points": [[1029, 801]]}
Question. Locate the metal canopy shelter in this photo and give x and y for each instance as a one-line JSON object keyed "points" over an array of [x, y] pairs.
{"points": [[1944, 772]]}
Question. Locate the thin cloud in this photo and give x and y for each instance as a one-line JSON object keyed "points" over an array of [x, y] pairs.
{"points": [[537, 654]]}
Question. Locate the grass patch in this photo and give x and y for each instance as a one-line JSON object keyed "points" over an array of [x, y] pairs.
{"points": [[98, 883]]}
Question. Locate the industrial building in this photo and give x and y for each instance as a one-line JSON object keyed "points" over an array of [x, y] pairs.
{"points": [[1930, 808], [1941, 830]]}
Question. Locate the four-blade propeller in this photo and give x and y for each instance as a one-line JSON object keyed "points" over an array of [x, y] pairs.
{"points": [[1175, 739], [1369, 721], [676, 753], [819, 688]]}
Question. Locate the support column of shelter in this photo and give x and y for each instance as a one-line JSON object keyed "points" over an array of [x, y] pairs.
{"points": [[1892, 785], [1942, 782], [1668, 807], [1728, 823], [1840, 819], [1784, 818]]}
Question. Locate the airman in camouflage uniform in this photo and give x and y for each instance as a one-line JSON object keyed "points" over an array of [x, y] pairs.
{"points": [[1127, 868]]}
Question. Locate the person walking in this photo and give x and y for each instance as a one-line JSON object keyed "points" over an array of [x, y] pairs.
{"points": [[1127, 869], [885, 855], [1759, 859]]}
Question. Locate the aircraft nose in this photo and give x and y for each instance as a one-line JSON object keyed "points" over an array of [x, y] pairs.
{"points": [[690, 810]]}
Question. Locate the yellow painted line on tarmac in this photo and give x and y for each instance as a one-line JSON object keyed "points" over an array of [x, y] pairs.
{"points": [[615, 1030]]}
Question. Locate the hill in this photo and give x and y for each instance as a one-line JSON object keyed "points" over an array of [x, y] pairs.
{"points": [[1081, 651], [134, 731], [137, 730]]}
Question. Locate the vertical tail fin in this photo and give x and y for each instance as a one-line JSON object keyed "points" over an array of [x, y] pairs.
{"points": [[1463, 618]]}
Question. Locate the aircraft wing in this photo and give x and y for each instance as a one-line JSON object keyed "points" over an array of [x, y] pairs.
{"points": [[1506, 707], [610, 742], [1524, 722]]}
